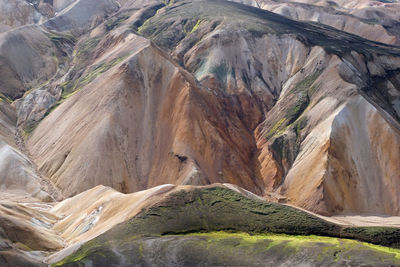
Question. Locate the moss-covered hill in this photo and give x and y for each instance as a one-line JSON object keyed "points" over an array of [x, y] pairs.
{"points": [[169, 227]]}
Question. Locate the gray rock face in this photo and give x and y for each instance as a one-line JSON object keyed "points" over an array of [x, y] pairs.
{"points": [[82, 15], [17, 13], [32, 108], [26, 59]]}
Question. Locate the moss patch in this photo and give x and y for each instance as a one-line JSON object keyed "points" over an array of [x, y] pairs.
{"points": [[58, 38], [278, 128], [385, 236], [30, 127], [233, 249], [71, 86], [306, 84], [85, 50], [196, 26], [89, 253], [5, 98], [115, 22], [299, 125]]}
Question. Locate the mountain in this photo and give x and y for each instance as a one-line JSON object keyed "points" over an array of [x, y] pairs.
{"points": [[120, 113]]}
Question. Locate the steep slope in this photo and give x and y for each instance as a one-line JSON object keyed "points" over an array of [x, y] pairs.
{"points": [[142, 123], [333, 180]]}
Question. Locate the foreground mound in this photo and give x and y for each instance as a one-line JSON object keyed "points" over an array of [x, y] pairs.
{"points": [[104, 227], [185, 210]]}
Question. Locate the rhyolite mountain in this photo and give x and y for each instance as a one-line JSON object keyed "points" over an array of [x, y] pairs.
{"points": [[126, 125]]}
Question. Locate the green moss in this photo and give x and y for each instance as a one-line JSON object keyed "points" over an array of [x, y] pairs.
{"points": [[295, 111], [144, 26], [192, 25], [5, 98], [303, 92], [299, 126], [307, 82], [85, 50], [22, 246], [217, 208], [384, 249], [234, 249], [115, 22], [64, 96], [99, 69], [58, 38], [30, 127], [71, 86], [196, 26], [300, 99], [89, 253], [221, 209], [277, 129], [385, 236]]}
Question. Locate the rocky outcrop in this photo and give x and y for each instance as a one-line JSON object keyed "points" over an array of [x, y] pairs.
{"points": [[34, 106]]}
